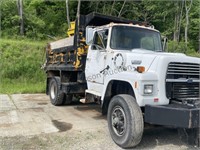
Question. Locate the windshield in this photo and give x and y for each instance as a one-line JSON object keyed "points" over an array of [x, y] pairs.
{"points": [[128, 38]]}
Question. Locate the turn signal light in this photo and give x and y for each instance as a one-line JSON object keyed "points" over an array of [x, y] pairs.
{"points": [[140, 69]]}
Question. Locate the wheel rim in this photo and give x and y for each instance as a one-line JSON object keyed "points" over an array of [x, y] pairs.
{"points": [[53, 91], [118, 121]]}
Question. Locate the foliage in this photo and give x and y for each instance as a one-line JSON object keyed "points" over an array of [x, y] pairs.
{"points": [[177, 47], [47, 18], [20, 66], [180, 47], [42, 18]]}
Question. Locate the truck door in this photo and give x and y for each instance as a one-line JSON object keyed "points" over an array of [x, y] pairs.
{"points": [[96, 58]]}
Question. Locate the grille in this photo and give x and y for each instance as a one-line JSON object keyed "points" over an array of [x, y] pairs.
{"points": [[185, 90], [183, 81], [183, 70]]}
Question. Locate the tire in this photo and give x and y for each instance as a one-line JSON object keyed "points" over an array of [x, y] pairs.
{"points": [[56, 95], [67, 99], [125, 121]]}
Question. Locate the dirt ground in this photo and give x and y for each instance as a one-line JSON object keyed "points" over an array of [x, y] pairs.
{"points": [[30, 122]]}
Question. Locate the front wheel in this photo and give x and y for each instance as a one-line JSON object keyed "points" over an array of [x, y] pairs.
{"points": [[125, 121]]}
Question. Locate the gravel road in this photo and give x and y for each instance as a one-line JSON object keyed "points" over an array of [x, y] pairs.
{"points": [[30, 122]]}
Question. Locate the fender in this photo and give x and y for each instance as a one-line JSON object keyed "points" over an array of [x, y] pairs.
{"points": [[135, 80], [128, 77]]}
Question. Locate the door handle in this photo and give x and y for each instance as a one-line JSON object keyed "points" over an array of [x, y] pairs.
{"points": [[88, 59], [107, 67]]}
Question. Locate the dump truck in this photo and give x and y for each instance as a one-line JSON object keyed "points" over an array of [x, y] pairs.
{"points": [[122, 65]]}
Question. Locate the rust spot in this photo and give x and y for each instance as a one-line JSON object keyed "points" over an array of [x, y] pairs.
{"points": [[62, 126]]}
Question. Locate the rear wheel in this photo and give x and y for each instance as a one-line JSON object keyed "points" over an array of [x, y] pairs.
{"points": [[125, 121], [56, 95]]}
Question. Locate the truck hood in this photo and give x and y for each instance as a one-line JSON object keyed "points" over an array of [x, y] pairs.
{"points": [[147, 58]]}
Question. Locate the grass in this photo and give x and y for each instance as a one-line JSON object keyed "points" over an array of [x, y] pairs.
{"points": [[20, 62], [22, 87]]}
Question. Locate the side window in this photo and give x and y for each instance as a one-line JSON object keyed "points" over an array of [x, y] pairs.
{"points": [[100, 40]]}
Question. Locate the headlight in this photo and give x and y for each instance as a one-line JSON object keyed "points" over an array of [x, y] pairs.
{"points": [[148, 89]]}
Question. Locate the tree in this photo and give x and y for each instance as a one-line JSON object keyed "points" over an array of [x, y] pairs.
{"points": [[178, 19], [187, 10], [78, 17], [40, 19], [111, 10], [119, 15], [20, 12], [194, 26], [67, 13]]}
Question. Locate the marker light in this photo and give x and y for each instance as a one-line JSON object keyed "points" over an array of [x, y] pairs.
{"points": [[136, 84], [140, 69]]}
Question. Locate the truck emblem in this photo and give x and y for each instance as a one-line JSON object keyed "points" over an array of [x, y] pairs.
{"points": [[190, 81], [136, 62]]}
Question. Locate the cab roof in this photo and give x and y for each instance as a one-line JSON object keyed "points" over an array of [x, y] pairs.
{"points": [[129, 25]]}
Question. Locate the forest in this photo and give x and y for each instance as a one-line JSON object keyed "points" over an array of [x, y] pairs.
{"points": [[178, 20], [27, 25]]}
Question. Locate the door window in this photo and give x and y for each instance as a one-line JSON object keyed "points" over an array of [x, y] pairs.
{"points": [[100, 40]]}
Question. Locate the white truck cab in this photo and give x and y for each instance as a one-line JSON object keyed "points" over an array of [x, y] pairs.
{"points": [[134, 55]]}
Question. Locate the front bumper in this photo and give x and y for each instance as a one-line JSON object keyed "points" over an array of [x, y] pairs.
{"points": [[175, 115]]}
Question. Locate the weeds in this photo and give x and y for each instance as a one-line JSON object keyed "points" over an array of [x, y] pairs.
{"points": [[20, 63]]}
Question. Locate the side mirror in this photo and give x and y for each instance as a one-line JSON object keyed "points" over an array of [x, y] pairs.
{"points": [[89, 35], [164, 43]]}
